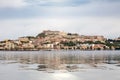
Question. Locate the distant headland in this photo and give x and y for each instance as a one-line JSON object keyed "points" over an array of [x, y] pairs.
{"points": [[57, 40]]}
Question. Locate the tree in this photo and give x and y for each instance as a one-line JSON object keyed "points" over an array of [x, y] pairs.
{"points": [[41, 35], [70, 43]]}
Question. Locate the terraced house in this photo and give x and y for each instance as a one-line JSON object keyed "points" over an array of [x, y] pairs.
{"points": [[60, 40]]}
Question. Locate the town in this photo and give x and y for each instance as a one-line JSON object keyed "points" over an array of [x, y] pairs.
{"points": [[57, 40]]}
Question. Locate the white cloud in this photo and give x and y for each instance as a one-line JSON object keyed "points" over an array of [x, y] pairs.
{"points": [[56, 0], [91, 9], [95, 18], [12, 3], [106, 26], [20, 3], [47, 2]]}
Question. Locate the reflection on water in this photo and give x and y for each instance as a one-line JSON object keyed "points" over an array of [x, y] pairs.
{"points": [[62, 57], [56, 59], [39, 65]]}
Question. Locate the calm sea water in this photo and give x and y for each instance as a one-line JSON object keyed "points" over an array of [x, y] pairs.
{"points": [[63, 56], [22, 65]]}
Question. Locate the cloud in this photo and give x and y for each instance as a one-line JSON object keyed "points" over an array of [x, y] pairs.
{"points": [[106, 0], [29, 17], [12, 3], [61, 3], [90, 9], [109, 27], [64, 3]]}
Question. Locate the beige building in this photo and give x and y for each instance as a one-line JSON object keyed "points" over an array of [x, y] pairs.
{"points": [[9, 45], [23, 39]]}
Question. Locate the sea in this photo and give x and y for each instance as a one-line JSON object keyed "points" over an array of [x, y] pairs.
{"points": [[60, 65]]}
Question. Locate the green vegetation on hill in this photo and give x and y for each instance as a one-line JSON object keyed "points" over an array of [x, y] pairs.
{"points": [[60, 40]]}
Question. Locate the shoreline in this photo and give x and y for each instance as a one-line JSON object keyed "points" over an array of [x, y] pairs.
{"points": [[59, 50]]}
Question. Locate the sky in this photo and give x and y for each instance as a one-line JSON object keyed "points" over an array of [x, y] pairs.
{"points": [[87, 17]]}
